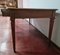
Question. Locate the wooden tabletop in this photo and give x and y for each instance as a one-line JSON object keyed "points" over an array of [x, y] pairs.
{"points": [[32, 8]]}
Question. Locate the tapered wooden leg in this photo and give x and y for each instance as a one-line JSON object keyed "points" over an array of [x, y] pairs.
{"points": [[13, 33], [51, 29], [29, 20]]}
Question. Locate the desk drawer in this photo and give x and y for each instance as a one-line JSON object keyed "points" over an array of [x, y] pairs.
{"points": [[33, 14]]}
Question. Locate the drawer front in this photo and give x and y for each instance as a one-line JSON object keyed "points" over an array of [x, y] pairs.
{"points": [[33, 14]]}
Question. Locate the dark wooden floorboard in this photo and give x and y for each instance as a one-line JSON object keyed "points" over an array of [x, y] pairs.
{"points": [[29, 41]]}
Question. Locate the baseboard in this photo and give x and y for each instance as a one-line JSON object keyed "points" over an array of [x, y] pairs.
{"points": [[45, 37]]}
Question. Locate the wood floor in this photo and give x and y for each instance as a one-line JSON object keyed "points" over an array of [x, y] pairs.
{"points": [[29, 41]]}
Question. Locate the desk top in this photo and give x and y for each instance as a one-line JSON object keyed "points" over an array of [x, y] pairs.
{"points": [[31, 8], [28, 12]]}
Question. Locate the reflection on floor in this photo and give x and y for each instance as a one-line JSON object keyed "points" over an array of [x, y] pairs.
{"points": [[29, 41]]}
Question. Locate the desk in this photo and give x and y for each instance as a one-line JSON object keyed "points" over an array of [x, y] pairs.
{"points": [[17, 13]]}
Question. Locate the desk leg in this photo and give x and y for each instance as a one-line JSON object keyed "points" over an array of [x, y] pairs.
{"points": [[51, 29], [29, 20], [13, 33]]}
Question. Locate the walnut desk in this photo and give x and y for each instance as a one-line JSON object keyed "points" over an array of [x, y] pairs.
{"points": [[17, 13]]}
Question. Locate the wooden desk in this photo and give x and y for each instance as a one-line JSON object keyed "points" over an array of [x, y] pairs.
{"points": [[16, 13]]}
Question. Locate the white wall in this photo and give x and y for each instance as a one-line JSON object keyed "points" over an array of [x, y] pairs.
{"points": [[43, 24], [0, 12], [25, 3], [20, 3], [44, 4]]}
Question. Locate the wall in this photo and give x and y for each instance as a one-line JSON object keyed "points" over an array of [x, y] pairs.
{"points": [[0, 10], [43, 24], [20, 3], [25, 3]]}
